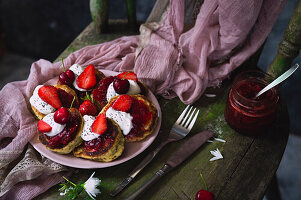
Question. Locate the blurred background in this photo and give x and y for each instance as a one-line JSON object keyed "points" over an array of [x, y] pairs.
{"points": [[34, 29]]}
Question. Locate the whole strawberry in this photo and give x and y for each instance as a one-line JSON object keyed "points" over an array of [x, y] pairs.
{"points": [[88, 108]]}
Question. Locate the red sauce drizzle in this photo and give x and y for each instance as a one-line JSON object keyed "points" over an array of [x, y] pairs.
{"points": [[100, 94], [141, 116]]}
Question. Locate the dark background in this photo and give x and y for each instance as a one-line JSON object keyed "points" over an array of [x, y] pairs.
{"points": [[34, 29]]}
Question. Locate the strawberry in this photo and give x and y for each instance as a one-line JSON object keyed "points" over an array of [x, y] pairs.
{"points": [[49, 94], [88, 108], [123, 103], [43, 127], [128, 76], [99, 126], [87, 79]]}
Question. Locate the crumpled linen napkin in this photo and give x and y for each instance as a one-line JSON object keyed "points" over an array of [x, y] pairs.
{"points": [[171, 61]]}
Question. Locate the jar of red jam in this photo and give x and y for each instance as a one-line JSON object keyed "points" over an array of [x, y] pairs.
{"points": [[245, 113]]}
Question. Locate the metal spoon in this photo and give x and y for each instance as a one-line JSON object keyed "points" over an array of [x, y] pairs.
{"points": [[278, 80]]}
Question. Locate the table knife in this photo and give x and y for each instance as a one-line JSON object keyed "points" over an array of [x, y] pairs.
{"points": [[190, 146]]}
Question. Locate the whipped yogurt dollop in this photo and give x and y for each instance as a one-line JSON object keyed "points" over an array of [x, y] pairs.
{"points": [[134, 89], [56, 127], [39, 104], [87, 133], [123, 119], [77, 70]]}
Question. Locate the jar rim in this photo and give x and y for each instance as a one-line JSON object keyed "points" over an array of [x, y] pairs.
{"points": [[263, 78]]}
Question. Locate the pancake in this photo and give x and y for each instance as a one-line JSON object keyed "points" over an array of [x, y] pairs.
{"points": [[145, 117], [99, 95], [105, 148], [65, 100], [68, 139]]}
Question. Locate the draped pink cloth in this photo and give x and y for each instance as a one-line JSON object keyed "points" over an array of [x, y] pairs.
{"points": [[170, 61]]}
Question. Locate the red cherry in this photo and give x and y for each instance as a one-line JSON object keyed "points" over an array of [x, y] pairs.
{"points": [[67, 77], [62, 115], [204, 195], [121, 86], [70, 74]]}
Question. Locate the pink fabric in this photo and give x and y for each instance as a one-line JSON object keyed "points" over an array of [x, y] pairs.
{"points": [[220, 26]]}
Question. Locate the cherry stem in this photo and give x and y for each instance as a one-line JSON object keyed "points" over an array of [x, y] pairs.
{"points": [[63, 65], [126, 74], [87, 96], [72, 103], [204, 181]]}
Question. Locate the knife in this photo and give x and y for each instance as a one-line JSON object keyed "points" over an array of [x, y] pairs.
{"points": [[190, 146]]}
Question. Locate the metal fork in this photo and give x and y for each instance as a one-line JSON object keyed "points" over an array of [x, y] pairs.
{"points": [[179, 130]]}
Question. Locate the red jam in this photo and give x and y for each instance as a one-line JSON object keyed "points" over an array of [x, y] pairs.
{"points": [[67, 134], [141, 116], [100, 94], [103, 143], [67, 99], [245, 113]]}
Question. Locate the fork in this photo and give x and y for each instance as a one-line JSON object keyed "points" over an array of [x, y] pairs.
{"points": [[179, 130]]}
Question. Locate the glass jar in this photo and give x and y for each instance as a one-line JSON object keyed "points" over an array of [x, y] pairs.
{"points": [[245, 113]]}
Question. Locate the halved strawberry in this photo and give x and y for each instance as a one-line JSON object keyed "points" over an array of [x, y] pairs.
{"points": [[49, 94], [43, 127], [123, 103], [87, 79], [99, 126], [128, 76]]}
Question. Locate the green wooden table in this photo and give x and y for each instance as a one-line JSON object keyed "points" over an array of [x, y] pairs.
{"points": [[246, 171]]}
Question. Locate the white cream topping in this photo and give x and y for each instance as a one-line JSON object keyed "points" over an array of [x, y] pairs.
{"points": [[39, 104], [123, 119], [56, 127], [87, 133], [134, 89], [77, 70]]}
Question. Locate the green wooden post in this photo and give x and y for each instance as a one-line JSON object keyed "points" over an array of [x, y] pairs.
{"points": [[100, 14], [131, 12], [290, 45]]}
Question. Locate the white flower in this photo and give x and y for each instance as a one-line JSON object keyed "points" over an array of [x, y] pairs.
{"points": [[65, 191], [91, 186], [217, 155], [220, 140]]}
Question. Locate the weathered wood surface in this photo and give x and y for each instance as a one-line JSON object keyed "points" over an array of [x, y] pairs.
{"points": [[289, 46], [245, 172]]}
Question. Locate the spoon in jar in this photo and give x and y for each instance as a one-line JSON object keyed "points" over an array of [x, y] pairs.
{"points": [[278, 80]]}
